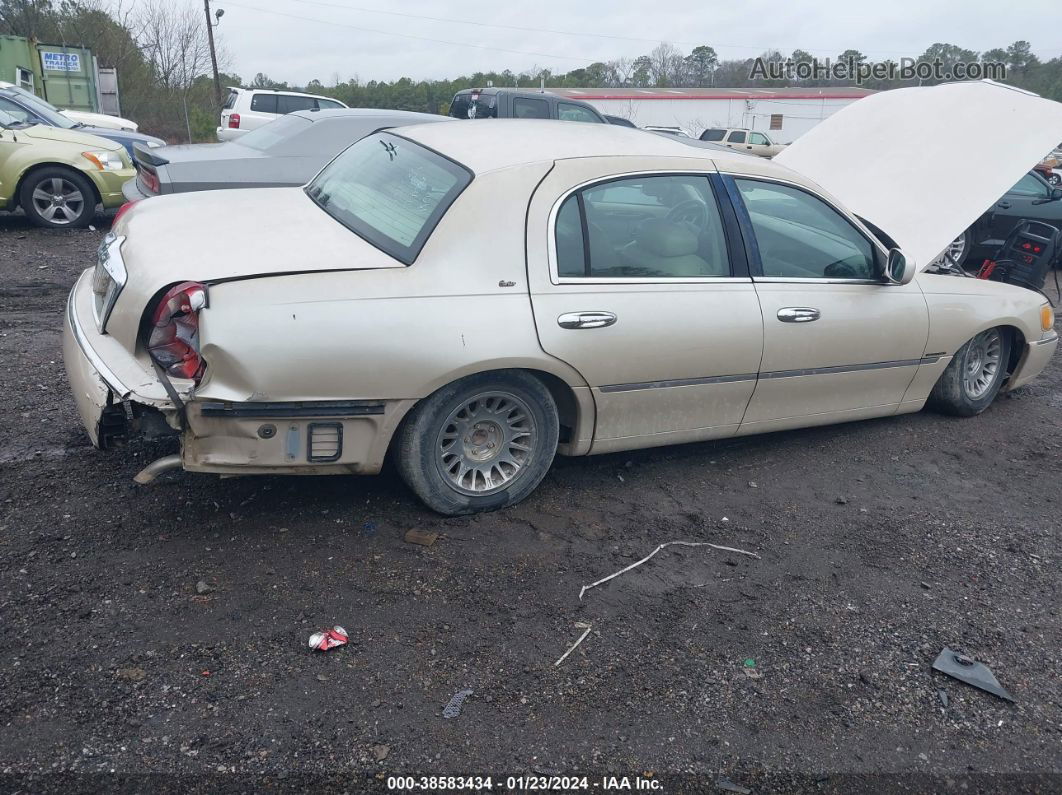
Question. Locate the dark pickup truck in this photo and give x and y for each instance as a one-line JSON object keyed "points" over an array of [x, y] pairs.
{"points": [[509, 103]]}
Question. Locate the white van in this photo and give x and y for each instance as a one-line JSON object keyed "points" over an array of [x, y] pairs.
{"points": [[248, 108]]}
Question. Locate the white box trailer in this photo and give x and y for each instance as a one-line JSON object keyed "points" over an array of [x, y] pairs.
{"points": [[783, 113]]}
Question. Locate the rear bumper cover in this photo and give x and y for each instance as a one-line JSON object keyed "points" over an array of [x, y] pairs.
{"points": [[231, 438]]}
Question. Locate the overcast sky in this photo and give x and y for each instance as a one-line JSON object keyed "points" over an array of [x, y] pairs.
{"points": [[299, 40]]}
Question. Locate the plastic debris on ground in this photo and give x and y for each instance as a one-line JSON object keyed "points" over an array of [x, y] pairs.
{"points": [[574, 646], [727, 785], [453, 708], [968, 670], [328, 639], [624, 570]]}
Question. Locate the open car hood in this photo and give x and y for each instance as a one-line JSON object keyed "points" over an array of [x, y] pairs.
{"points": [[922, 164]]}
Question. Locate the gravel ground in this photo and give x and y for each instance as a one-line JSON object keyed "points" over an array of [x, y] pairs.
{"points": [[880, 542]]}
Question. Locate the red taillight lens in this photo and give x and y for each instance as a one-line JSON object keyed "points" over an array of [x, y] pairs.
{"points": [[121, 211], [173, 340], [234, 121], [149, 179]]}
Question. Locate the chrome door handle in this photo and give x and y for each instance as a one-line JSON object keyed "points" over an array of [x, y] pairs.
{"points": [[586, 319], [798, 314]]}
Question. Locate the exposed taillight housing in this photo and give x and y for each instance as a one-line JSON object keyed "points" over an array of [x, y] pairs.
{"points": [[234, 121], [173, 337]]}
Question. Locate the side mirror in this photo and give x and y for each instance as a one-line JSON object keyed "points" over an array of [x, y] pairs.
{"points": [[897, 269]]}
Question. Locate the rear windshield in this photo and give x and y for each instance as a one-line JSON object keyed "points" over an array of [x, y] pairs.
{"points": [[713, 135], [268, 135], [474, 106], [389, 191]]}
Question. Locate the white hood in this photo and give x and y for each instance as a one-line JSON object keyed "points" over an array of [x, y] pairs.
{"points": [[100, 120], [923, 164]]}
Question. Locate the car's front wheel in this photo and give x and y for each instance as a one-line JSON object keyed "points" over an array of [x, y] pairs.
{"points": [[480, 443], [974, 376], [58, 198]]}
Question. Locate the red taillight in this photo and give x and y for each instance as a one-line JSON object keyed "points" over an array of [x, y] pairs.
{"points": [[149, 179], [173, 341], [121, 211], [234, 121]]}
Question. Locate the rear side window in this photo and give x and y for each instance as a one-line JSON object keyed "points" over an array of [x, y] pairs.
{"points": [[264, 103], [799, 236], [530, 108], [736, 137], [389, 191], [566, 111], [655, 227], [289, 103], [474, 106], [713, 135], [230, 100]]}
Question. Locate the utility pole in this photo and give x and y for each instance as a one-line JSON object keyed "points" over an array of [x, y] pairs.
{"points": [[213, 53]]}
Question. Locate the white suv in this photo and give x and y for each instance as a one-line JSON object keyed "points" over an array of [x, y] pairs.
{"points": [[248, 108]]}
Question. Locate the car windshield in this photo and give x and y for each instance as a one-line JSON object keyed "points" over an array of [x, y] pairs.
{"points": [[389, 191], [9, 121], [41, 108], [268, 135]]}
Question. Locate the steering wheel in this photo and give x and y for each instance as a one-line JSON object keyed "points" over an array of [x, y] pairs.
{"points": [[691, 212]]}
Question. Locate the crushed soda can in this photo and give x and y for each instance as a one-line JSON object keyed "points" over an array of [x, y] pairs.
{"points": [[328, 639]]}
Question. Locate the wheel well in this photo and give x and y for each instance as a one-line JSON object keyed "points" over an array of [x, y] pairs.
{"points": [[38, 166], [564, 397], [1017, 347]]}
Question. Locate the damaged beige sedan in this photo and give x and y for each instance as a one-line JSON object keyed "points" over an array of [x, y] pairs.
{"points": [[470, 300]]}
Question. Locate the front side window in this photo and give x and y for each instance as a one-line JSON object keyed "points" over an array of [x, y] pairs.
{"points": [[736, 137], [566, 111], [799, 236], [328, 104], [264, 103], [1030, 185], [529, 108], [713, 135], [758, 138], [389, 191], [652, 227]]}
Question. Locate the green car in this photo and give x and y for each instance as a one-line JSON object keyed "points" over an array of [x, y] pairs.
{"points": [[57, 176]]}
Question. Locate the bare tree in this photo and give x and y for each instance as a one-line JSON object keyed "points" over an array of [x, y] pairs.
{"points": [[173, 38], [665, 65]]}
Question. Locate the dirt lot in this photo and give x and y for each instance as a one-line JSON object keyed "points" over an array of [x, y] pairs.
{"points": [[880, 543]]}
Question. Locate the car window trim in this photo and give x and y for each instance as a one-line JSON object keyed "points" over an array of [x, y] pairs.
{"points": [[551, 227], [745, 223]]}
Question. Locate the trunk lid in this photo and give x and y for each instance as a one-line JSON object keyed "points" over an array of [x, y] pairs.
{"points": [[923, 164]]}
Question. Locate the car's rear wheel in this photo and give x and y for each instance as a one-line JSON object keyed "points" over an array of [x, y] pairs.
{"points": [[480, 443], [974, 376], [1055, 179], [58, 198]]}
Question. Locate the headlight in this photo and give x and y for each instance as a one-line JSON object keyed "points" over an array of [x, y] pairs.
{"points": [[1047, 317], [108, 279], [105, 161]]}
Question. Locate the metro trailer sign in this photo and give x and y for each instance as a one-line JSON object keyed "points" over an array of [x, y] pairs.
{"points": [[61, 61]]}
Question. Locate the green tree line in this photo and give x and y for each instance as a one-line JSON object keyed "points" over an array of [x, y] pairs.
{"points": [[158, 48]]}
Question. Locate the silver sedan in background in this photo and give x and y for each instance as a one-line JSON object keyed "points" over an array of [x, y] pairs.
{"points": [[286, 152]]}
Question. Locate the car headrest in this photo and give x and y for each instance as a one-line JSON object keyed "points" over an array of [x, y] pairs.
{"points": [[667, 238]]}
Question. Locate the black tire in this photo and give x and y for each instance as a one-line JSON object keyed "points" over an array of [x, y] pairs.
{"points": [[953, 393], [422, 456], [65, 183]]}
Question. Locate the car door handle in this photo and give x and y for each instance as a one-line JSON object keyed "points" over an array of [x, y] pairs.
{"points": [[1004, 205], [586, 319], [798, 314]]}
